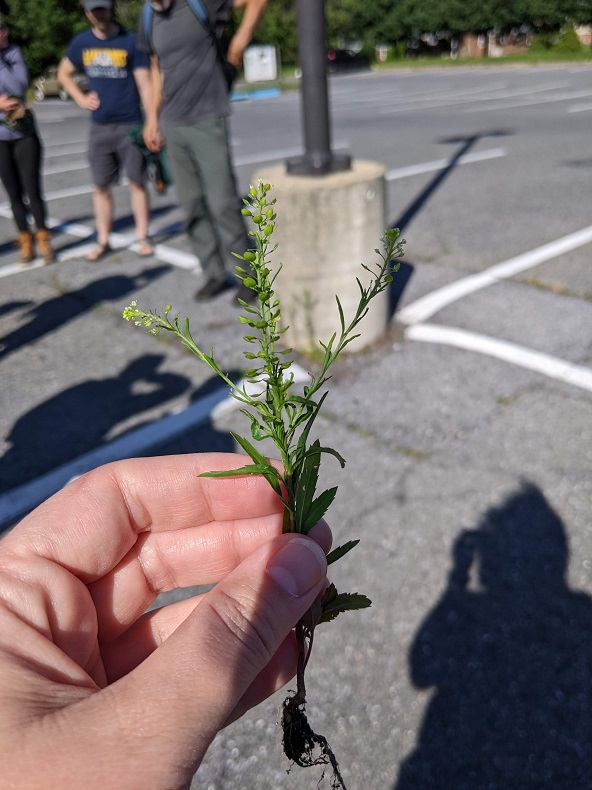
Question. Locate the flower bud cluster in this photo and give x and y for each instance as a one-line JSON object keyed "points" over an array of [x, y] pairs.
{"points": [[264, 314]]}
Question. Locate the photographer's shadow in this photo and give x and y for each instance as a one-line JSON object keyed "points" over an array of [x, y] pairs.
{"points": [[508, 650]]}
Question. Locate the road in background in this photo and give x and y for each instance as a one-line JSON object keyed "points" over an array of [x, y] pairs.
{"points": [[473, 417]]}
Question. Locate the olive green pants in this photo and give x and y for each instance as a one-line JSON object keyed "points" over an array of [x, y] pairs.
{"points": [[199, 156]]}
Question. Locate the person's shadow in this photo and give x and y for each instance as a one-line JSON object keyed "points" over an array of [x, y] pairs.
{"points": [[508, 651], [80, 418], [55, 313]]}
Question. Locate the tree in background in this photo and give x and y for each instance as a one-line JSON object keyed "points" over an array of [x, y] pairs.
{"points": [[278, 27], [127, 12], [43, 28]]}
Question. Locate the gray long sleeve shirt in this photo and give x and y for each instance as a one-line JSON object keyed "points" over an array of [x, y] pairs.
{"points": [[14, 80]]}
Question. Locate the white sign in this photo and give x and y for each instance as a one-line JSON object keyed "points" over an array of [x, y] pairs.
{"points": [[260, 64]]}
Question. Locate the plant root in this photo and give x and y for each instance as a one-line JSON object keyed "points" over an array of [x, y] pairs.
{"points": [[301, 743]]}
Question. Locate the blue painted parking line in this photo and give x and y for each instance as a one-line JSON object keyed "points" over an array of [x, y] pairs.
{"points": [[263, 93]]}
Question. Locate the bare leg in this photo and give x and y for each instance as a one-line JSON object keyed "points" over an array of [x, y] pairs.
{"points": [[103, 203], [141, 211]]}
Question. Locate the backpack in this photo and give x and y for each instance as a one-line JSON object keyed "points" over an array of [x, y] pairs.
{"points": [[230, 72]]}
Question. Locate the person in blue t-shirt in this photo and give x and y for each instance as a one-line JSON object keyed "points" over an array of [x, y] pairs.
{"points": [[118, 75]]}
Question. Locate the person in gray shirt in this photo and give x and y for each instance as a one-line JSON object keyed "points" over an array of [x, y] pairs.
{"points": [[21, 153], [188, 108]]}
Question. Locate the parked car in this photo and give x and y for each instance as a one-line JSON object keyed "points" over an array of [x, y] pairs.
{"points": [[346, 60], [47, 84]]}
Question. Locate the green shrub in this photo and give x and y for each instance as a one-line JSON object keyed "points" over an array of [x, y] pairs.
{"points": [[568, 41], [543, 42]]}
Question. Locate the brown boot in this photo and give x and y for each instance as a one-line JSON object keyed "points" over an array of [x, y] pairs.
{"points": [[43, 239], [25, 245]]}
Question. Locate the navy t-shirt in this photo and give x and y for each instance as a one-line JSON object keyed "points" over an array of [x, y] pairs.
{"points": [[109, 65]]}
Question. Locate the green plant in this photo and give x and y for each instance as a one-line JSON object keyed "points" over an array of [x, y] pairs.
{"points": [[568, 42], [543, 41], [286, 417]]}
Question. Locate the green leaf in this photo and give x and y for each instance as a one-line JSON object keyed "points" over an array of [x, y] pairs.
{"points": [[306, 485], [318, 508], [269, 472], [251, 469], [334, 453], [341, 316], [300, 449], [333, 603], [341, 551]]}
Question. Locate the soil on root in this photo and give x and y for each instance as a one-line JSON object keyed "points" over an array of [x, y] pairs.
{"points": [[301, 743]]}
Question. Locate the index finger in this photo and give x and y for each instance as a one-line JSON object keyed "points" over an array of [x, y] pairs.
{"points": [[89, 526]]}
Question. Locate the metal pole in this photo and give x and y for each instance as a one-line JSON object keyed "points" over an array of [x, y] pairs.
{"points": [[318, 159]]}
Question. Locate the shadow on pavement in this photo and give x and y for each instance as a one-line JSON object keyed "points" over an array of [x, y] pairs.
{"points": [[79, 419], [53, 314], [8, 247], [10, 307], [508, 653], [398, 285], [402, 222], [205, 437], [416, 205]]}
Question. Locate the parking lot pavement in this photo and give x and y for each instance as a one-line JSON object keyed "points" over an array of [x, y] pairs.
{"points": [[467, 431]]}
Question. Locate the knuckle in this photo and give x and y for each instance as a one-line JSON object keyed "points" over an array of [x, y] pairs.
{"points": [[245, 621]]}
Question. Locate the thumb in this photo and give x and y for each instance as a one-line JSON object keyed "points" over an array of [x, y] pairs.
{"points": [[235, 648]]}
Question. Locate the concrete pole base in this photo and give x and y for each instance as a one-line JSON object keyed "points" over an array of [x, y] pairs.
{"points": [[326, 227]]}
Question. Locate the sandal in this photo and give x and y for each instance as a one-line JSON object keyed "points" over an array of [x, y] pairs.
{"points": [[99, 252], [144, 248]]}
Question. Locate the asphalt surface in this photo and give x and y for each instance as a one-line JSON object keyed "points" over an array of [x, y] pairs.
{"points": [[467, 431]]}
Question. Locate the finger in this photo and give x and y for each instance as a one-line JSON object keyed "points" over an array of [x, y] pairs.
{"points": [[126, 653], [129, 636], [90, 526], [200, 676], [133, 529], [159, 562]]}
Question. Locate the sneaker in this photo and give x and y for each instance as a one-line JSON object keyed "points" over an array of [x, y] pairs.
{"points": [[210, 289]]}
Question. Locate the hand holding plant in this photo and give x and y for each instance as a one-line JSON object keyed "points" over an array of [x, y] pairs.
{"points": [[278, 412]]}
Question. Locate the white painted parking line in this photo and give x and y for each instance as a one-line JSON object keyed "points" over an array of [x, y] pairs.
{"points": [[580, 108], [559, 97], [19, 268], [553, 367], [83, 189], [51, 154], [119, 241], [48, 147], [384, 97], [59, 194], [432, 303], [178, 258], [53, 171], [218, 403], [441, 100], [72, 228], [442, 164]]}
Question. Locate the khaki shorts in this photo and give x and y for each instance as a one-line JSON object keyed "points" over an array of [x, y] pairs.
{"points": [[111, 151]]}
